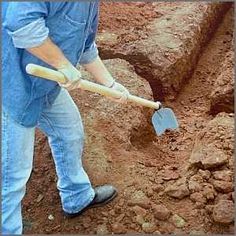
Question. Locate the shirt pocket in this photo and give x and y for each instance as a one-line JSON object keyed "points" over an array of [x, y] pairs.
{"points": [[68, 34]]}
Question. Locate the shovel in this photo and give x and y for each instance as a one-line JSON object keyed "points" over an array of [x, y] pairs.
{"points": [[162, 119]]}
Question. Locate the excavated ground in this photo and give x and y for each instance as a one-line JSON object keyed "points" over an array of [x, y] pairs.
{"points": [[145, 168]]}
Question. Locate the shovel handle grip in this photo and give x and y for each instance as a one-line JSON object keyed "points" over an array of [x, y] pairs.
{"points": [[57, 76], [45, 73]]}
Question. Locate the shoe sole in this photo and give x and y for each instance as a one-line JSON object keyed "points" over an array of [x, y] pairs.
{"points": [[70, 216]]}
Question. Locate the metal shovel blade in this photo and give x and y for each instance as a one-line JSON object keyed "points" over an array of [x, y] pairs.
{"points": [[164, 119]]}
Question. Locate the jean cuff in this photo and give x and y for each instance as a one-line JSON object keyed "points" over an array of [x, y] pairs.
{"points": [[90, 197]]}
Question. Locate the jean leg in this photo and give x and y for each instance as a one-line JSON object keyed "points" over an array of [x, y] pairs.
{"points": [[62, 124], [17, 158]]}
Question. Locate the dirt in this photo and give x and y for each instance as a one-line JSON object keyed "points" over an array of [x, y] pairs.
{"points": [[160, 191], [114, 17]]}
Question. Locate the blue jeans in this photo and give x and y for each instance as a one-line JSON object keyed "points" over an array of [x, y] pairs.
{"points": [[61, 122]]}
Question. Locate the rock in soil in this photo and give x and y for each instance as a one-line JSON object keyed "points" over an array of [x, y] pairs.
{"points": [[223, 186], [178, 221], [102, 229], [222, 96], [51, 217], [223, 196], [169, 174], [178, 190], [148, 227], [118, 228], [158, 188], [139, 219], [209, 157], [225, 175], [161, 212], [198, 197], [216, 159], [214, 144], [157, 232], [140, 199], [139, 210], [208, 191], [194, 186], [223, 212], [197, 232], [206, 174]]}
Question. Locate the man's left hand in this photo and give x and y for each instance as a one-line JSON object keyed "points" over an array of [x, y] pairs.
{"points": [[120, 88]]}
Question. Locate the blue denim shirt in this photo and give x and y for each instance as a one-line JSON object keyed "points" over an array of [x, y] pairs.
{"points": [[72, 26]]}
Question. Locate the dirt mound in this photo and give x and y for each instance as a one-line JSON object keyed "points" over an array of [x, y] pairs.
{"points": [[109, 124]]}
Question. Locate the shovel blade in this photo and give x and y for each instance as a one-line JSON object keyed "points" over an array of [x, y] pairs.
{"points": [[164, 119]]}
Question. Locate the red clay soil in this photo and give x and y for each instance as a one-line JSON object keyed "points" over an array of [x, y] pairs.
{"points": [[129, 19], [147, 156], [115, 15]]}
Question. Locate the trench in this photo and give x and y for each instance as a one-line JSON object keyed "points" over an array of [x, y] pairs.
{"points": [[144, 67]]}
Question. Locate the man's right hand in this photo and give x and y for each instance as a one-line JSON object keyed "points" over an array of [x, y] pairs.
{"points": [[73, 76], [52, 55]]}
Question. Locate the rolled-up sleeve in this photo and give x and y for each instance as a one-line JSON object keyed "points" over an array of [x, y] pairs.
{"points": [[89, 55], [90, 52], [25, 23], [31, 35]]}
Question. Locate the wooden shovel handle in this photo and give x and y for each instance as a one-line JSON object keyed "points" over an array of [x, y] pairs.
{"points": [[57, 76]]}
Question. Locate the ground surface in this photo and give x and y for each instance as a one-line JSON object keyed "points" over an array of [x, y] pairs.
{"points": [[144, 167]]}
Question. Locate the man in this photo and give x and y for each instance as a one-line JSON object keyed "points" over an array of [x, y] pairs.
{"points": [[57, 35]]}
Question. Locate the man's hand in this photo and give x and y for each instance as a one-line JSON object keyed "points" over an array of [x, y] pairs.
{"points": [[103, 76], [125, 93], [52, 55], [73, 76]]}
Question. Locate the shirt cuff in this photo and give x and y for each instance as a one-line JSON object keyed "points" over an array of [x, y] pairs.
{"points": [[89, 55], [31, 35]]}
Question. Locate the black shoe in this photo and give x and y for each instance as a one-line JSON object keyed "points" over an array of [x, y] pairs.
{"points": [[103, 195]]}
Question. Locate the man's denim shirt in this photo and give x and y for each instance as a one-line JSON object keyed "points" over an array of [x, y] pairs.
{"points": [[72, 26]]}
